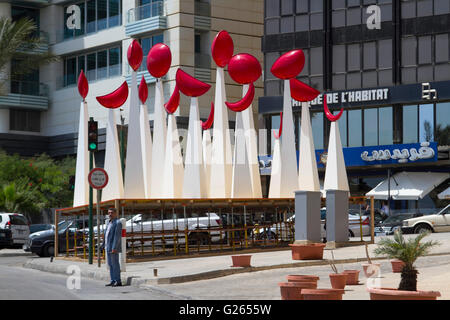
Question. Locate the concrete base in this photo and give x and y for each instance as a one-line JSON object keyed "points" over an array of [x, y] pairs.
{"points": [[337, 216], [307, 216]]}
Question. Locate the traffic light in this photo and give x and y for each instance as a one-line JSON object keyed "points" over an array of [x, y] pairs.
{"points": [[72, 183], [92, 135]]}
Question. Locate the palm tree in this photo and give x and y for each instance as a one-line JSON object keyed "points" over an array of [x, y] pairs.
{"points": [[18, 41], [408, 252]]}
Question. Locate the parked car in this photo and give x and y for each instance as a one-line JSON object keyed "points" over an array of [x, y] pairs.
{"points": [[39, 227], [6, 240], [439, 222], [355, 224], [42, 243], [18, 224], [393, 223]]}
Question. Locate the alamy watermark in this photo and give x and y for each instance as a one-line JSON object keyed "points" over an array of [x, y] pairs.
{"points": [[74, 19], [374, 20], [74, 280]]}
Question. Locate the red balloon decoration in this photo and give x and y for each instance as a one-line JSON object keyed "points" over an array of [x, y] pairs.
{"points": [[135, 55], [83, 86], [159, 59], [116, 98], [206, 125], [143, 90], [329, 115], [190, 86], [174, 101], [244, 68], [302, 92], [222, 48], [289, 65], [245, 102], [280, 130]]}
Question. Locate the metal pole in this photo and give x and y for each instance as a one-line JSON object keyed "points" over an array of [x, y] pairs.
{"points": [[389, 192], [91, 229], [98, 228], [122, 146]]}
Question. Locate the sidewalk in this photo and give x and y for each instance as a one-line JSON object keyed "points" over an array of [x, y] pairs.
{"points": [[201, 268]]}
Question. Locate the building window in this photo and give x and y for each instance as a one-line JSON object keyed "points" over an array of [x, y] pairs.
{"points": [[371, 127], [96, 15], [24, 120], [442, 136], [275, 120], [317, 129], [426, 122], [146, 44], [385, 126], [410, 124], [354, 128]]}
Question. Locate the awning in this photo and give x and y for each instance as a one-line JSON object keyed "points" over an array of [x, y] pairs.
{"points": [[408, 185], [445, 194]]}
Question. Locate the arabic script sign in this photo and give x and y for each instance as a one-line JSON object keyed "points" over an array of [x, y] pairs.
{"points": [[401, 155]]}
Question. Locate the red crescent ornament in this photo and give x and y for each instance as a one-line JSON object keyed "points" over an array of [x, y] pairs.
{"points": [[135, 55], [174, 101], [206, 125], [222, 48], [116, 98], [245, 102], [244, 68], [280, 130], [83, 86], [143, 90], [159, 59], [329, 115], [301, 91], [190, 86], [289, 65]]}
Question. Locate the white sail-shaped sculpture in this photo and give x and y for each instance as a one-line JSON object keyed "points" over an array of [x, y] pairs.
{"points": [[275, 176], [134, 172], [159, 142], [172, 184], [289, 173], [221, 164], [335, 172], [308, 177], [241, 185], [146, 144], [252, 148], [206, 146], [114, 188], [81, 192], [194, 184]]}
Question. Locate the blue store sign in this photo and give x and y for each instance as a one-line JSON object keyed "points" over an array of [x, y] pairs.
{"points": [[376, 155]]}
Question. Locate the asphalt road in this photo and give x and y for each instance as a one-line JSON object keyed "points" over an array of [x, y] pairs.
{"points": [[18, 283]]}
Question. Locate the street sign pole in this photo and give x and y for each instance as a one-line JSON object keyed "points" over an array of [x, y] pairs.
{"points": [[91, 229], [98, 228]]}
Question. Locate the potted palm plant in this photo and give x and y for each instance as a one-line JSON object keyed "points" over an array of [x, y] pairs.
{"points": [[407, 251]]}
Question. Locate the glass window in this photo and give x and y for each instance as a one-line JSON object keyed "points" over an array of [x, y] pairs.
{"points": [[159, 38], [317, 129], [114, 13], [25, 120], [425, 50], [102, 21], [385, 126], [275, 127], [114, 62], [287, 24], [102, 64], [426, 122], [302, 22], [316, 20], [81, 65], [371, 127], [353, 57], [442, 48], [272, 26], [91, 66], [272, 8], [370, 55], [353, 16], [410, 124], [339, 58], [424, 8], [79, 32], [385, 54], [443, 124], [302, 6], [316, 61], [287, 7], [354, 128], [71, 67], [91, 4], [409, 47], [441, 7]]}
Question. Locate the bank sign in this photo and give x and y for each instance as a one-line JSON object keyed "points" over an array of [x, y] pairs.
{"points": [[376, 155]]}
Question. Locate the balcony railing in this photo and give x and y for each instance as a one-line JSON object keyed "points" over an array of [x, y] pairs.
{"points": [[31, 88], [146, 11]]}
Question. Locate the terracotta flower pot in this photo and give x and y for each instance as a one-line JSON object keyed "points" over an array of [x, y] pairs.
{"points": [[302, 278], [371, 269], [293, 290], [397, 265], [241, 261], [352, 276], [313, 251], [322, 294], [338, 280], [394, 294]]}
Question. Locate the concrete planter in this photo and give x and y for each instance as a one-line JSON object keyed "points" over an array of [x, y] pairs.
{"points": [[241, 261], [338, 280], [394, 294], [397, 265], [322, 294], [352, 277], [313, 251], [293, 290]]}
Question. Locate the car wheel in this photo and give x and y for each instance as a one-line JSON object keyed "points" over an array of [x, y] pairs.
{"points": [[49, 250], [421, 228]]}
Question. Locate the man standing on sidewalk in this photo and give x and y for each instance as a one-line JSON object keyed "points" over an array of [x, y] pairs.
{"points": [[113, 247]]}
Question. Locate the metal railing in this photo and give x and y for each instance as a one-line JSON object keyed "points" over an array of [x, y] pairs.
{"points": [[153, 9]]}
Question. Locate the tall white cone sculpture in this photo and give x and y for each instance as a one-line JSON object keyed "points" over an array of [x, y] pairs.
{"points": [[114, 188], [289, 173], [241, 185], [308, 176], [81, 192], [335, 172], [159, 142], [221, 164], [275, 176], [206, 146], [194, 184], [252, 148], [146, 142], [172, 184], [134, 172]]}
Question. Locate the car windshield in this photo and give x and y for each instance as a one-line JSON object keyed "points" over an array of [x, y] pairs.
{"points": [[397, 218], [63, 225]]}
